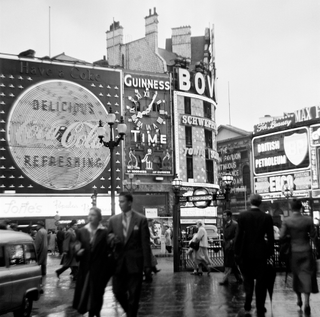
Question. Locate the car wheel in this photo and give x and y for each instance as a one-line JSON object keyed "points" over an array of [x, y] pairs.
{"points": [[26, 308]]}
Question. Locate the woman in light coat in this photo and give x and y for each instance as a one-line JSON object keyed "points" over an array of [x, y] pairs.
{"points": [[300, 229], [201, 256]]}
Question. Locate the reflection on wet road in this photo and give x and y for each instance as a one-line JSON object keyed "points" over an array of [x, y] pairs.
{"points": [[172, 295]]}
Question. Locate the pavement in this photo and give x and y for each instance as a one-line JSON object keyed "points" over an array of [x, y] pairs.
{"points": [[173, 295]]}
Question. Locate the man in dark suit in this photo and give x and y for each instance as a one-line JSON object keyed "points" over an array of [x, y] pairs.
{"points": [[254, 244], [132, 253], [229, 234]]}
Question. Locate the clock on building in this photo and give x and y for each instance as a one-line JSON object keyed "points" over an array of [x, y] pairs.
{"points": [[147, 110]]}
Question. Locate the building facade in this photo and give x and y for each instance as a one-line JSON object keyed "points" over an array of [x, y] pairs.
{"points": [[235, 157], [189, 147]]}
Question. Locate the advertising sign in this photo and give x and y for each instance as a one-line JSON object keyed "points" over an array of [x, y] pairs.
{"points": [[283, 122], [315, 135], [49, 118], [281, 151], [148, 114], [277, 183], [39, 206]]}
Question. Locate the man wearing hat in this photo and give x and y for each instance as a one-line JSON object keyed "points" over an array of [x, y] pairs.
{"points": [[41, 242], [68, 259]]}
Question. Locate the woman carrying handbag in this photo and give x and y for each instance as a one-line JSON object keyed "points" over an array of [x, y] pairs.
{"points": [[303, 265]]}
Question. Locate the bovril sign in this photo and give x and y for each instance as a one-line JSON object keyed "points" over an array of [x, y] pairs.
{"points": [[203, 84]]}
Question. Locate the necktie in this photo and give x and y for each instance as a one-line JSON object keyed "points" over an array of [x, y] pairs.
{"points": [[124, 226]]}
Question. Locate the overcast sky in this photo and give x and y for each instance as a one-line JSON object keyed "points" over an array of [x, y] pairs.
{"points": [[267, 51]]}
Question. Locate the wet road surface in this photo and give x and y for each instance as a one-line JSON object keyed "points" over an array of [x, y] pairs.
{"points": [[173, 295]]}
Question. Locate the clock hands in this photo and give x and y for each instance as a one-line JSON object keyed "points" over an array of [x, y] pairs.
{"points": [[150, 104]]}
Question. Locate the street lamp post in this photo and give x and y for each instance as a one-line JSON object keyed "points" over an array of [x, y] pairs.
{"points": [[227, 180], [132, 185], [176, 185], [111, 144]]}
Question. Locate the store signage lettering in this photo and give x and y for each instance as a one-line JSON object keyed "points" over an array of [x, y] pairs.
{"points": [[148, 138], [198, 122], [231, 157], [146, 83], [74, 72], [306, 114], [314, 169], [281, 151], [284, 122], [295, 181], [52, 135], [199, 81], [194, 151]]}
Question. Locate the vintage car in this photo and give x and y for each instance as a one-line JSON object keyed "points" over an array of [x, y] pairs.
{"points": [[20, 274]]}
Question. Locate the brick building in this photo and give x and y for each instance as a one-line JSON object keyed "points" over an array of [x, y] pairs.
{"points": [[191, 141]]}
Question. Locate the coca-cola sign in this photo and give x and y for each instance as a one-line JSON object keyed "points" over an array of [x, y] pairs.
{"points": [[52, 134]]}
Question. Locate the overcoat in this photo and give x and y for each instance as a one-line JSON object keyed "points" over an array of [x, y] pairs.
{"points": [[68, 247], [133, 253], [94, 270], [301, 229], [41, 242], [254, 242], [229, 234]]}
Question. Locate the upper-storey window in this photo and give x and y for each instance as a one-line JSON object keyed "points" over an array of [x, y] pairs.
{"points": [[187, 105]]}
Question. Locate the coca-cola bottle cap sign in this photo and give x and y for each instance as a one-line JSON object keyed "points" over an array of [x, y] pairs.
{"points": [[52, 135]]}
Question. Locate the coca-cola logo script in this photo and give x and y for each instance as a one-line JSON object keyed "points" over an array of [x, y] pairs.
{"points": [[52, 135]]}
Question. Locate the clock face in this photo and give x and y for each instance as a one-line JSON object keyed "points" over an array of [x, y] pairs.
{"points": [[149, 145], [147, 110]]}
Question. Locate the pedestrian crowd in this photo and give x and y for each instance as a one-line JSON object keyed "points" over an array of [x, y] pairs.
{"points": [[123, 250], [248, 247]]}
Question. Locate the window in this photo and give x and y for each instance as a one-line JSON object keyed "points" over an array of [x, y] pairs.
{"points": [[188, 136], [16, 254], [189, 167], [207, 110], [208, 138], [209, 170], [244, 155], [246, 176], [30, 253], [187, 105]]}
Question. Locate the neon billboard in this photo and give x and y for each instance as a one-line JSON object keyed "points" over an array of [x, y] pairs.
{"points": [[281, 151], [49, 114]]}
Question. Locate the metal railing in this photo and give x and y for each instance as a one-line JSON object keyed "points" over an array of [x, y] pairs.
{"points": [[216, 255]]}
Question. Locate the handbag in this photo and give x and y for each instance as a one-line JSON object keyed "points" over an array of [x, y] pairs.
{"points": [[284, 249], [194, 245]]}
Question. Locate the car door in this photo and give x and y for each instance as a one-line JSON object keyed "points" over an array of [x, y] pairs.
{"points": [[17, 263], [5, 281]]}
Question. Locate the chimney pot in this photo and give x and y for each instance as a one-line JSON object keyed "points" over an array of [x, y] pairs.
{"points": [[149, 12], [154, 10]]}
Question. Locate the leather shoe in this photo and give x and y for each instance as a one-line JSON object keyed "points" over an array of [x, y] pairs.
{"points": [[307, 310]]}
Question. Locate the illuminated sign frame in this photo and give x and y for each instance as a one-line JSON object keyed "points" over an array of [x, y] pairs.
{"points": [[148, 116], [281, 152], [19, 76]]}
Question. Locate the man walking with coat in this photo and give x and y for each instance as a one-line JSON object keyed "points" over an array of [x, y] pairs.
{"points": [[132, 253], [41, 242], [229, 234], [254, 244]]}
